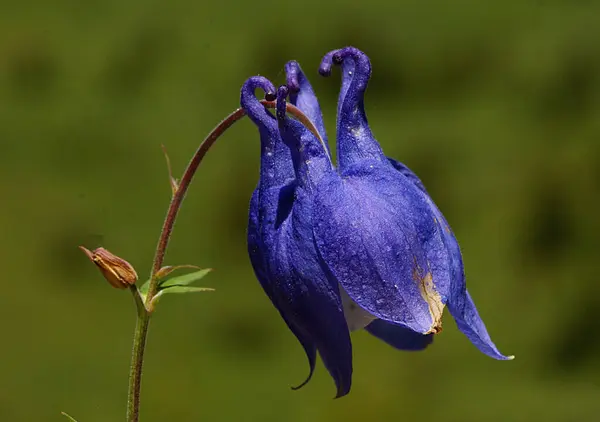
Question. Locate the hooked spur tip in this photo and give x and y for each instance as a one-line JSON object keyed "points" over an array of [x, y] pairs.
{"points": [[337, 57], [282, 93], [292, 71], [349, 53], [252, 105], [248, 96], [327, 63], [261, 82]]}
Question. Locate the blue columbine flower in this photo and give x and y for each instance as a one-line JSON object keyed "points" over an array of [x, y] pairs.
{"points": [[358, 246]]}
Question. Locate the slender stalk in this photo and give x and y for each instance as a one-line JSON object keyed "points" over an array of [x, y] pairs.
{"points": [[137, 356], [144, 309], [189, 173], [135, 370]]}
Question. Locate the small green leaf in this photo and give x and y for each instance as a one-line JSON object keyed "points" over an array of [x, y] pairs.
{"points": [[68, 417], [165, 271], [180, 281], [177, 289], [143, 289], [185, 289], [184, 280]]}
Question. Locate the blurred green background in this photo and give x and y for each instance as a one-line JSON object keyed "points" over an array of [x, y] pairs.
{"points": [[496, 105]]}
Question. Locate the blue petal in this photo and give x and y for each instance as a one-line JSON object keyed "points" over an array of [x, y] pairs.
{"points": [[452, 251], [467, 318], [459, 301], [307, 294], [408, 173], [303, 96], [355, 142], [347, 70], [276, 168], [276, 173], [377, 235], [398, 336], [310, 156], [301, 288], [258, 264]]}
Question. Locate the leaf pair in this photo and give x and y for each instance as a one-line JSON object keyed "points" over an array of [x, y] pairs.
{"points": [[179, 284]]}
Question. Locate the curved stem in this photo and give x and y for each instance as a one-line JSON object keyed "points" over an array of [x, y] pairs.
{"points": [[189, 173], [143, 318], [179, 194]]}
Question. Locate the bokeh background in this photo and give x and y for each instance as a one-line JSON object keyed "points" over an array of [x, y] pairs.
{"points": [[496, 105]]}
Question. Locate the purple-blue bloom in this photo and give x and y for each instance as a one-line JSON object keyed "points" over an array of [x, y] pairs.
{"points": [[352, 246]]}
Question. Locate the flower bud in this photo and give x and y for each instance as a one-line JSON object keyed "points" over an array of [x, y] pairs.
{"points": [[118, 272]]}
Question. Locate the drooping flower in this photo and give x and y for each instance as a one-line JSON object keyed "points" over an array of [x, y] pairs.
{"points": [[358, 246]]}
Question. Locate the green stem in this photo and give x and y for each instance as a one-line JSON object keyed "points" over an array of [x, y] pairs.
{"points": [[135, 371], [144, 309]]}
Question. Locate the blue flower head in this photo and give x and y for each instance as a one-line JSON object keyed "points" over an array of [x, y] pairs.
{"points": [[353, 246]]}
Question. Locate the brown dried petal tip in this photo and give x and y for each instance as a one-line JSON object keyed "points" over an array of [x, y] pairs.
{"points": [[118, 272]]}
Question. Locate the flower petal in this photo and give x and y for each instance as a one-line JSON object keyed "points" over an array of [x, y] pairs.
{"points": [[400, 337], [306, 293], [459, 301], [276, 168], [452, 256], [301, 285], [355, 142], [467, 319], [276, 174], [310, 156], [377, 236], [258, 264], [303, 96], [408, 173]]}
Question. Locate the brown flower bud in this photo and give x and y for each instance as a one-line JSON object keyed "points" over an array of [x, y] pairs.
{"points": [[118, 272]]}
